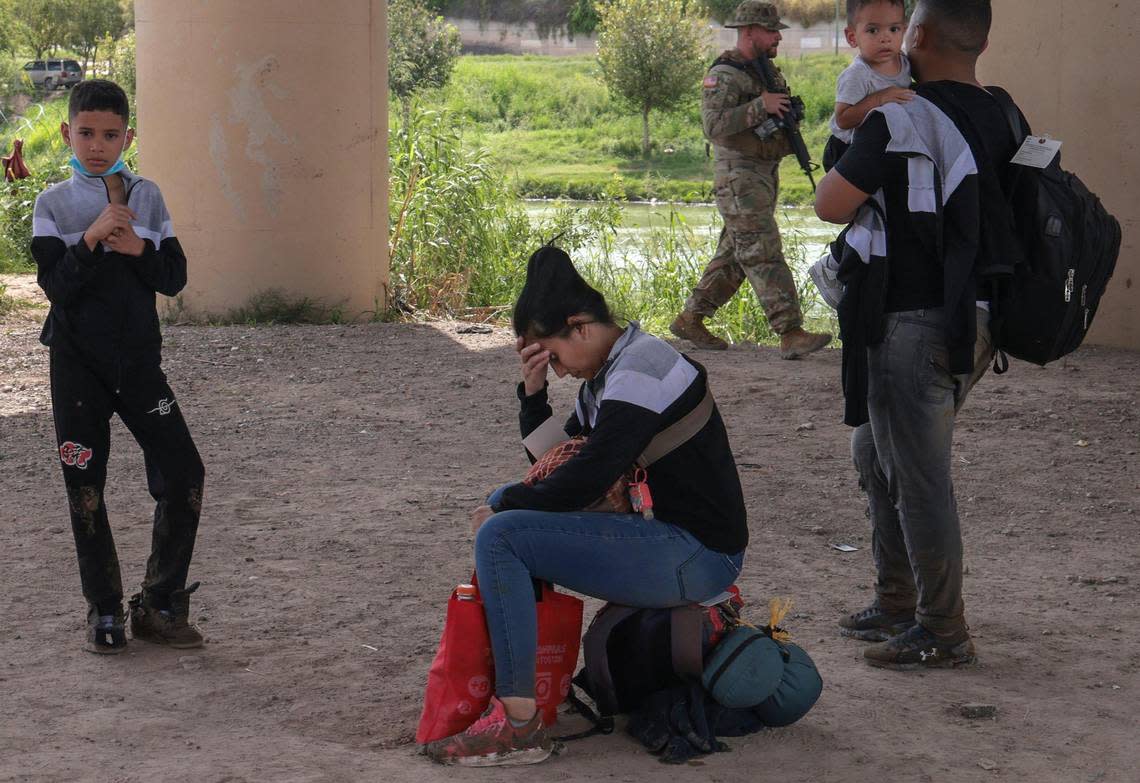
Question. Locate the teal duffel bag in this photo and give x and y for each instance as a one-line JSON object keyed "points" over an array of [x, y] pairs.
{"points": [[799, 689], [750, 670]]}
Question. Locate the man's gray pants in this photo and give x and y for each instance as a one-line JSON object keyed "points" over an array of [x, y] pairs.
{"points": [[903, 459]]}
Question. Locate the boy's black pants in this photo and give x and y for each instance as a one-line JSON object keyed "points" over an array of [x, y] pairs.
{"points": [[83, 399]]}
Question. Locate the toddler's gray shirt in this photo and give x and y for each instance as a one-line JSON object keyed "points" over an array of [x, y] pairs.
{"points": [[859, 80]]}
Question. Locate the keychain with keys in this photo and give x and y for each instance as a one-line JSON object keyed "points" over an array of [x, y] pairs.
{"points": [[640, 498]]}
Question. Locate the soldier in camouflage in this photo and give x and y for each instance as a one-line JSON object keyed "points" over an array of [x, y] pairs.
{"points": [[745, 183]]}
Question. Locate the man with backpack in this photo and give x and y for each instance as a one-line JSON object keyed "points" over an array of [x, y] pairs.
{"points": [[923, 186]]}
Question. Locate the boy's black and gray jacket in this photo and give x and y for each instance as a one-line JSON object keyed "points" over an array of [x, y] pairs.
{"points": [[103, 303], [643, 387]]}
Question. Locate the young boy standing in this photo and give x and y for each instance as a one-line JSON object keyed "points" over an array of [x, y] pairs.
{"points": [[879, 74], [103, 246]]}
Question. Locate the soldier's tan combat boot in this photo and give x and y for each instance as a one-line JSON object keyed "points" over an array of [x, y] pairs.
{"points": [[798, 343], [691, 327], [166, 626]]}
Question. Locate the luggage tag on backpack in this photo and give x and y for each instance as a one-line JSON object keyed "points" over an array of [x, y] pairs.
{"points": [[1037, 152], [640, 498]]}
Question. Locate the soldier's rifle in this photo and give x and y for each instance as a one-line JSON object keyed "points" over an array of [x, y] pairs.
{"points": [[790, 122]]}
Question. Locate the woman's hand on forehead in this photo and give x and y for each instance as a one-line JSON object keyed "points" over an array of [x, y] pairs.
{"points": [[535, 361]]}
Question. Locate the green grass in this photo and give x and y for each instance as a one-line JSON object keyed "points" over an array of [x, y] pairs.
{"points": [[552, 125], [273, 306]]}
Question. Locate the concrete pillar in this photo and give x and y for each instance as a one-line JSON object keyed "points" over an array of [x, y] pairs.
{"points": [[1072, 67], [265, 124]]}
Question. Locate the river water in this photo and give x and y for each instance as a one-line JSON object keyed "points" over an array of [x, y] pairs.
{"points": [[805, 236]]}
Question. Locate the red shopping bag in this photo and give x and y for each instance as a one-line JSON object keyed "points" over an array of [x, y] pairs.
{"points": [[462, 676]]}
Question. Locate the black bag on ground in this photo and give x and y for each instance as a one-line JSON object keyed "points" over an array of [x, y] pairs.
{"points": [[1042, 307], [648, 663]]}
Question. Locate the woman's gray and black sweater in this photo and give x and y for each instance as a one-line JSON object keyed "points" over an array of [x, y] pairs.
{"points": [[643, 387], [103, 303]]}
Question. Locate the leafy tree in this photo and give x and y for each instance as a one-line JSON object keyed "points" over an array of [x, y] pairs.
{"points": [[91, 21], [583, 17], [722, 10], [42, 25], [549, 17], [421, 50], [7, 27], [651, 53], [128, 10]]}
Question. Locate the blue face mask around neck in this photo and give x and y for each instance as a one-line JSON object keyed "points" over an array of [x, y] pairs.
{"points": [[115, 169]]}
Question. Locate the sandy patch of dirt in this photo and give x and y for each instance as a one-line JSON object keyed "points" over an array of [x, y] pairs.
{"points": [[341, 463]]}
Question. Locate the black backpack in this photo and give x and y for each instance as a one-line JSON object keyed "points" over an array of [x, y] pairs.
{"points": [[630, 654], [648, 663], [1042, 307]]}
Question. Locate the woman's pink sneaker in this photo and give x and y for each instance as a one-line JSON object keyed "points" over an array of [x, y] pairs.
{"points": [[493, 741]]}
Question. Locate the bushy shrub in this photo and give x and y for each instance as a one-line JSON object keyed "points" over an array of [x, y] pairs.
{"points": [[13, 80], [651, 54], [422, 48], [460, 237], [123, 63]]}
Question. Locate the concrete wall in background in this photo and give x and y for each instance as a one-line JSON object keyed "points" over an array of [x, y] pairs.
{"points": [[265, 124], [502, 38], [1072, 66]]}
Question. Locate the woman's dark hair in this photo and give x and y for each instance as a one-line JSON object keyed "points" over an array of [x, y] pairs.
{"points": [[553, 292]]}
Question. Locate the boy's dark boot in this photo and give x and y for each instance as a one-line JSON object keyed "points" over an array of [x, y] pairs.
{"points": [[169, 625], [106, 633]]}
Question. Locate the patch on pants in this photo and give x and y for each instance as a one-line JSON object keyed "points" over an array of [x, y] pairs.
{"points": [[75, 455]]}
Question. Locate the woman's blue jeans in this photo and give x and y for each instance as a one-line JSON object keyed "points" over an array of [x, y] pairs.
{"points": [[622, 558]]}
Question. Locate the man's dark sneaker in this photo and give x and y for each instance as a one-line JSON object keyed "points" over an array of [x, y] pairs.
{"points": [[494, 741], [106, 634], [691, 327], [169, 626], [796, 343], [918, 648], [874, 625]]}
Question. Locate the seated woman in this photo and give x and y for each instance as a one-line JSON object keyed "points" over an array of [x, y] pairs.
{"points": [[634, 386]]}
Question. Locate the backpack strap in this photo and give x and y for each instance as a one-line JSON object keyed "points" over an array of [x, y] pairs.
{"points": [[550, 433], [597, 656], [686, 631], [1012, 114], [599, 724], [1020, 130], [679, 432]]}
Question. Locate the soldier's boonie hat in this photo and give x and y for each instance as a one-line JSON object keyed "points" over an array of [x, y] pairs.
{"points": [[756, 12]]}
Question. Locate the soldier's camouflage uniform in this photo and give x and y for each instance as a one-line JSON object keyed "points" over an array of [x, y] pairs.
{"points": [[745, 184]]}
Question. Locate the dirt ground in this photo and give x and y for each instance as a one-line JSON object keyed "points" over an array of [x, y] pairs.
{"points": [[341, 464]]}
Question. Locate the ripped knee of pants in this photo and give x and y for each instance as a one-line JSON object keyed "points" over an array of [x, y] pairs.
{"points": [[84, 503], [84, 500]]}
